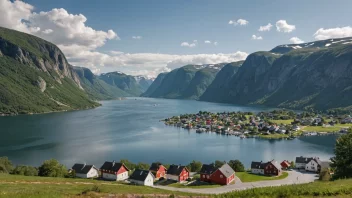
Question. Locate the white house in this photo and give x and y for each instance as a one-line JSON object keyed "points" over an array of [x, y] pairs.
{"points": [[142, 177], [302, 161], [313, 165], [85, 171], [257, 168], [114, 171]]}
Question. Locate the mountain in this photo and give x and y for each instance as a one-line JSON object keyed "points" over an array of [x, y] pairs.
{"points": [[300, 76], [133, 85], [221, 81], [96, 88], [187, 82], [35, 77]]}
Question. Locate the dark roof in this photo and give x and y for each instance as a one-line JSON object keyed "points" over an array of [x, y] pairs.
{"points": [[318, 161], [82, 168], [258, 165], [226, 170], [208, 169], [140, 175], [154, 166], [175, 169], [112, 166], [303, 159]]}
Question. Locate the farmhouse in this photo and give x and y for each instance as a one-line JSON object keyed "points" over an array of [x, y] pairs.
{"points": [[158, 170], [142, 177], [285, 164], [302, 161], [258, 168], [272, 168], [223, 175], [177, 173], [114, 171], [85, 171], [206, 171]]}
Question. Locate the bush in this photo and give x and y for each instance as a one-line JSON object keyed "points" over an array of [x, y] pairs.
{"points": [[25, 170], [325, 175], [52, 168], [5, 165], [237, 165]]}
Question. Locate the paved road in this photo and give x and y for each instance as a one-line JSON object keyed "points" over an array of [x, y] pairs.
{"points": [[294, 177]]}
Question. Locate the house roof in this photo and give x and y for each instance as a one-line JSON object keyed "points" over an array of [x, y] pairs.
{"points": [[112, 166], [140, 175], [286, 162], [318, 161], [82, 168], [175, 169], [226, 170], [258, 165], [303, 159], [276, 164], [325, 164], [208, 169], [155, 166]]}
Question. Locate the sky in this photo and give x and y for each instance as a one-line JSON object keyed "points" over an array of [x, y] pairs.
{"points": [[140, 37]]}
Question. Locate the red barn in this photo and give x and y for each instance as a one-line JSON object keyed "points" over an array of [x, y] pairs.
{"points": [[285, 164], [177, 173], [158, 170], [272, 168], [223, 175], [206, 172]]}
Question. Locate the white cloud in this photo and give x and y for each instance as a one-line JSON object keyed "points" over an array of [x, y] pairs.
{"points": [[137, 37], [338, 32], [186, 44], [116, 52], [207, 42], [12, 14], [216, 43], [296, 40], [265, 27], [195, 41], [283, 26], [238, 22], [48, 31], [254, 37]]}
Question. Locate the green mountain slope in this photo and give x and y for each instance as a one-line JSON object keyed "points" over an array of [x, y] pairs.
{"points": [[155, 84], [187, 82], [310, 75], [127, 83], [35, 77], [97, 89], [215, 90]]}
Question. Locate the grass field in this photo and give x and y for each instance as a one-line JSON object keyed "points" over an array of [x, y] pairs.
{"points": [[248, 177], [339, 189], [282, 121], [38, 187], [274, 136], [321, 129], [178, 185]]}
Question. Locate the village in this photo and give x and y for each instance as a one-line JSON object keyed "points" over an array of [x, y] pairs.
{"points": [[276, 124], [224, 174]]}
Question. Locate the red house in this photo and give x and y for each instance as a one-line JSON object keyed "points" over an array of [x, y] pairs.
{"points": [[223, 175], [272, 168], [285, 164], [177, 173], [206, 172], [158, 170], [114, 171]]}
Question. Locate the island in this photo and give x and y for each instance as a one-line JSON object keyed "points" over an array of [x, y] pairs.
{"points": [[276, 124]]}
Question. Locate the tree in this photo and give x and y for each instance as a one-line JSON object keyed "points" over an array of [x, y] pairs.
{"points": [[343, 157], [237, 165], [194, 166], [142, 166], [52, 168], [25, 170], [293, 165], [324, 175], [219, 163], [5, 165], [128, 164]]}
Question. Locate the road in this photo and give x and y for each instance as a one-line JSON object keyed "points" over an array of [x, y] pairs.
{"points": [[294, 177]]}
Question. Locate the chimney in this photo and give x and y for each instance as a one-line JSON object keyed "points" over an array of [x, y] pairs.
{"points": [[113, 163]]}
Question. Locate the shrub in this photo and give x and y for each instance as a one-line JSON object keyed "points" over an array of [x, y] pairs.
{"points": [[52, 168], [25, 170], [5, 165]]}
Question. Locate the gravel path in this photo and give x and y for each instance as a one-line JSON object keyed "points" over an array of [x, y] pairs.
{"points": [[294, 177]]}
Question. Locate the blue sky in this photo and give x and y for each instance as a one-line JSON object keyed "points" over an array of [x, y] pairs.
{"points": [[164, 25]]}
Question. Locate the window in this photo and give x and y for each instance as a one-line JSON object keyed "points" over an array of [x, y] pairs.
{"points": [[203, 176], [220, 176], [207, 176]]}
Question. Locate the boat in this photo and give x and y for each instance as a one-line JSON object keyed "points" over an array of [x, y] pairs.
{"points": [[242, 136]]}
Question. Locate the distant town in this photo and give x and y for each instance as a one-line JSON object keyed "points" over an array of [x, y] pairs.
{"points": [[277, 124]]}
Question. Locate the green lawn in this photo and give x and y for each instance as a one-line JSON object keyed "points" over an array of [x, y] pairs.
{"points": [[26, 186], [248, 177], [282, 121], [339, 189], [321, 129], [178, 185]]}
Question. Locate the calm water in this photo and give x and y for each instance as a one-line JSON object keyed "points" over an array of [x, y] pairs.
{"points": [[130, 129]]}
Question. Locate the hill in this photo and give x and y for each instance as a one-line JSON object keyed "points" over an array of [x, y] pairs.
{"points": [[35, 77]]}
